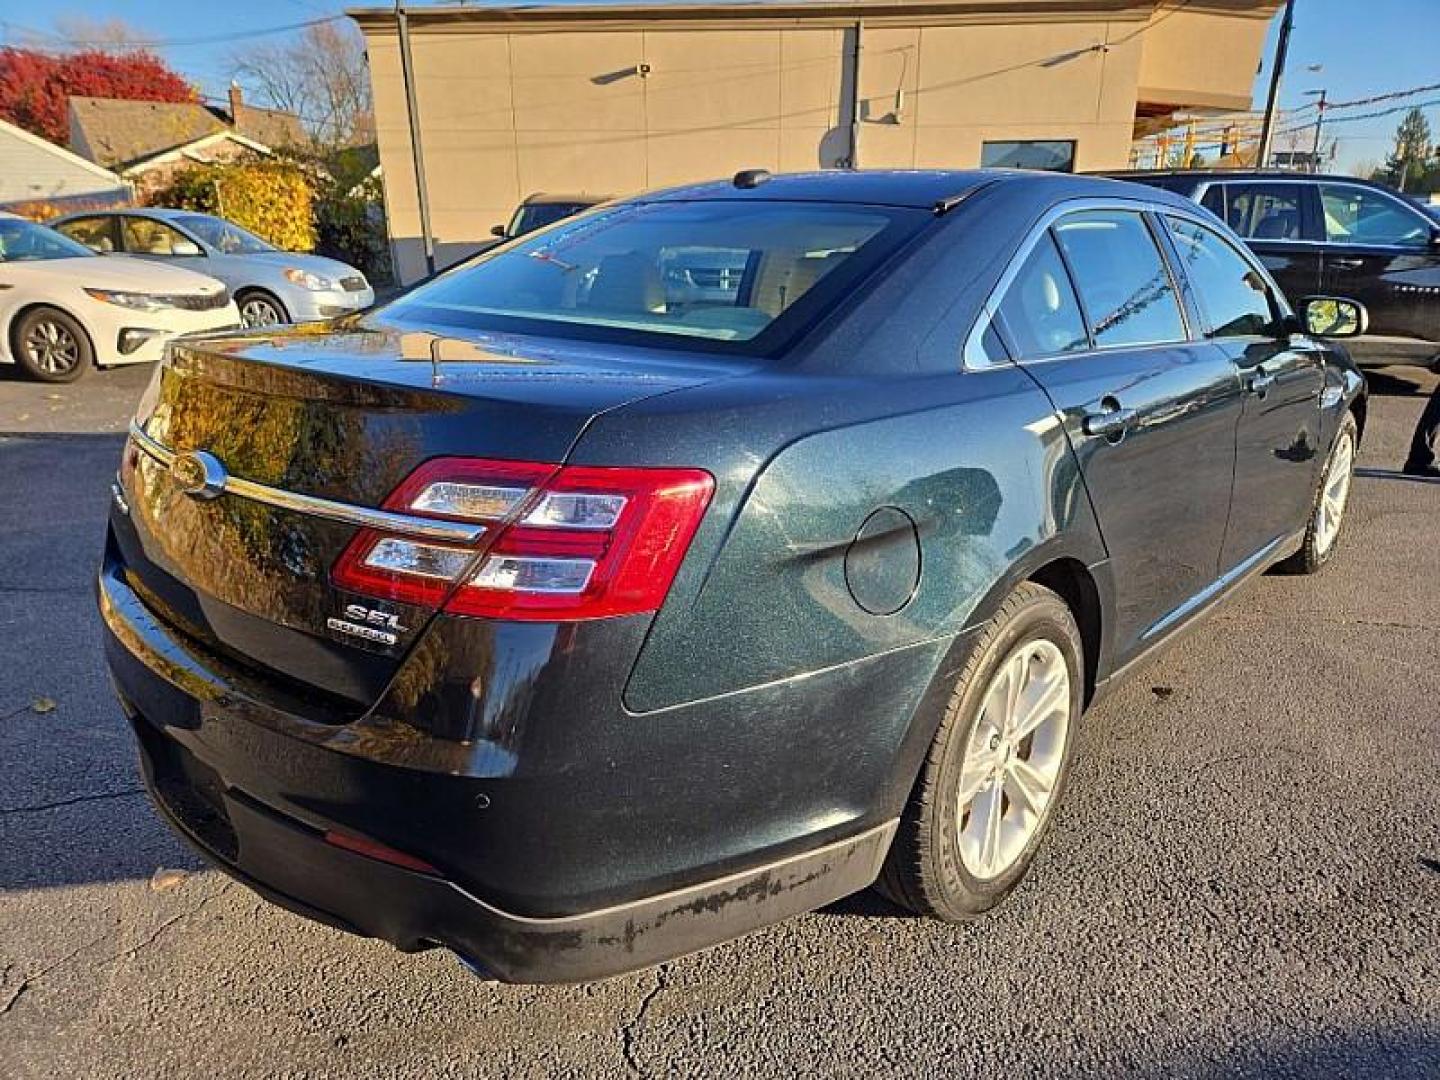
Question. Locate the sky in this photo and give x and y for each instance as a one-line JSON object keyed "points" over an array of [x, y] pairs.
{"points": [[1363, 47]]}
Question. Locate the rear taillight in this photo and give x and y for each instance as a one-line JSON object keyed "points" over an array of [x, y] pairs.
{"points": [[561, 543]]}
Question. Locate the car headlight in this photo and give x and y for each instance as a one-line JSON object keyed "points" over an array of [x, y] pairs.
{"points": [[134, 300], [304, 278]]}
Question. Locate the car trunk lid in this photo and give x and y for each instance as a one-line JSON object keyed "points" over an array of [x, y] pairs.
{"points": [[307, 426]]}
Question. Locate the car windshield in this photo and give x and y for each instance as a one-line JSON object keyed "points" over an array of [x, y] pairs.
{"points": [[222, 235], [24, 241], [531, 216], [727, 275]]}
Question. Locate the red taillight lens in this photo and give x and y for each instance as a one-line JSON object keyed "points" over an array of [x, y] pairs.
{"points": [[568, 543]]}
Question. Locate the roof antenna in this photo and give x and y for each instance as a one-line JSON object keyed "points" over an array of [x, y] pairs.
{"points": [[751, 178]]}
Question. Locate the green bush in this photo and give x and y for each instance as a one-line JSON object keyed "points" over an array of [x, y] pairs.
{"points": [[274, 200], [350, 224]]}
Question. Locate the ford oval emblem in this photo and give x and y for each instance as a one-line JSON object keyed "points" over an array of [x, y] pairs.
{"points": [[198, 474]]}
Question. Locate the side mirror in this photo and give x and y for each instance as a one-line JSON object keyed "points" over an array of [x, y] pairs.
{"points": [[1334, 317], [185, 247], [498, 230]]}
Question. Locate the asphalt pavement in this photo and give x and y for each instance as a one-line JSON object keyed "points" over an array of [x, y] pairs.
{"points": [[1243, 881]]}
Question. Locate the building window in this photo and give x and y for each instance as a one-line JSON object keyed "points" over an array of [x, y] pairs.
{"points": [[1053, 156]]}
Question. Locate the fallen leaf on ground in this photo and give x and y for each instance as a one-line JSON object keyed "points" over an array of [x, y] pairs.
{"points": [[1163, 692], [42, 705], [163, 880]]}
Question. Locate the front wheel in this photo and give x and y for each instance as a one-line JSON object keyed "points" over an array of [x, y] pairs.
{"points": [[51, 346], [1332, 498], [989, 787], [259, 309]]}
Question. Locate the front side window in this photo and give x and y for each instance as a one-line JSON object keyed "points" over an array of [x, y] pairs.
{"points": [[96, 233], [145, 236], [1040, 311], [1123, 284], [224, 236], [1358, 216], [1265, 211], [1049, 155], [1232, 295], [719, 272]]}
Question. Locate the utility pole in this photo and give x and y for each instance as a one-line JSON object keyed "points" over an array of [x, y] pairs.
{"points": [[1319, 95], [1282, 47], [412, 112]]}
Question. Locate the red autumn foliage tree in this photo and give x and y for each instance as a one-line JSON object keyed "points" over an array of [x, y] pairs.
{"points": [[35, 86]]}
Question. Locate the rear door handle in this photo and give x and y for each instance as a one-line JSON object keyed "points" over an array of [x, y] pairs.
{"points": [[1347, 263], [1108, 423]]}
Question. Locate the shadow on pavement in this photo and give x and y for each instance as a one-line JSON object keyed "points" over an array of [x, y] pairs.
{"points": [[1398, 381], [1371, 473], [1382, 1055]]}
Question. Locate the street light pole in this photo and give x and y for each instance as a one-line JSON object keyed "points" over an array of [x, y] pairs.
{"points": [[1282, 47], [412, 113]]}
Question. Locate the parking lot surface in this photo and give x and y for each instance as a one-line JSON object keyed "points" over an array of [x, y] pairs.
{"points": [[1244, 879]]}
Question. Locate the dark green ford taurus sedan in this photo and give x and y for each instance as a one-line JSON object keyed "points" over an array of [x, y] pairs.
{"points": [[571, 616]]}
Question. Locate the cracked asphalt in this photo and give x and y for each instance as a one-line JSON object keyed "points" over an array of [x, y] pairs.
{"points": [[1244, 879]]}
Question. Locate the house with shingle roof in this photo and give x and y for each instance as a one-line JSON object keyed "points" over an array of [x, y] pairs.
{"points": [[146, 142]]}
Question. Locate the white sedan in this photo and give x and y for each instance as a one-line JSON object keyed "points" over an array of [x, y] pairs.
{"points": [[64, 308]]}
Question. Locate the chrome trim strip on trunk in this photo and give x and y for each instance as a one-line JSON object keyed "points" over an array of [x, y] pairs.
{"points": [[363, 516]]}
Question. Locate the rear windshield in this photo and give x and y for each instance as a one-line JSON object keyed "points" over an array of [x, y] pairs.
{"points": [[733, 276]]}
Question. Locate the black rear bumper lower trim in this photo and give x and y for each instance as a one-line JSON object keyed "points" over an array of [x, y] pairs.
{"points": [[288, 861]]}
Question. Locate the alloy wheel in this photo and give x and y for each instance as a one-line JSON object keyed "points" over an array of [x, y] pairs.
{"points": [[257, 311], [51, 347], [1334, 493], [1013, 758]]}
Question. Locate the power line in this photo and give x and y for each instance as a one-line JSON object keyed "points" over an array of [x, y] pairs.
{"points": [[170, 43], [1370, 115]]}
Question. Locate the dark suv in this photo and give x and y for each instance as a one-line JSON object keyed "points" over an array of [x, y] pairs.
{"points": [[572, 618], [1340, 236]]}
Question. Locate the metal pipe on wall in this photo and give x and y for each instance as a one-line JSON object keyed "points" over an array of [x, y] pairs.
{"points": [[412, 113], [855, 99]]}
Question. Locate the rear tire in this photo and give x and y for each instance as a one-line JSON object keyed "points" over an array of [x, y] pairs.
{"points": [[986, 769], [51, 346], [1332, 498]]}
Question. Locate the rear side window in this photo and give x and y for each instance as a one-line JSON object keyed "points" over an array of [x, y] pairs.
{"points": [[1265, 211], [1040, 311], [714, 273], [1232, 295], [96, 233], [1214, 200], [1122, 280], [1356, 215]]}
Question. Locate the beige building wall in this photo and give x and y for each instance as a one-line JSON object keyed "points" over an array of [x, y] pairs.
{"points": [[528, 104]]}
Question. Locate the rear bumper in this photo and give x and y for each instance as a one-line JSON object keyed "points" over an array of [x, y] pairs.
{"points": [[294, 867], [258, 803]]}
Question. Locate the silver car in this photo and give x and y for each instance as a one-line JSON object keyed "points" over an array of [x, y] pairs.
{"points": [[269, 285]]}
